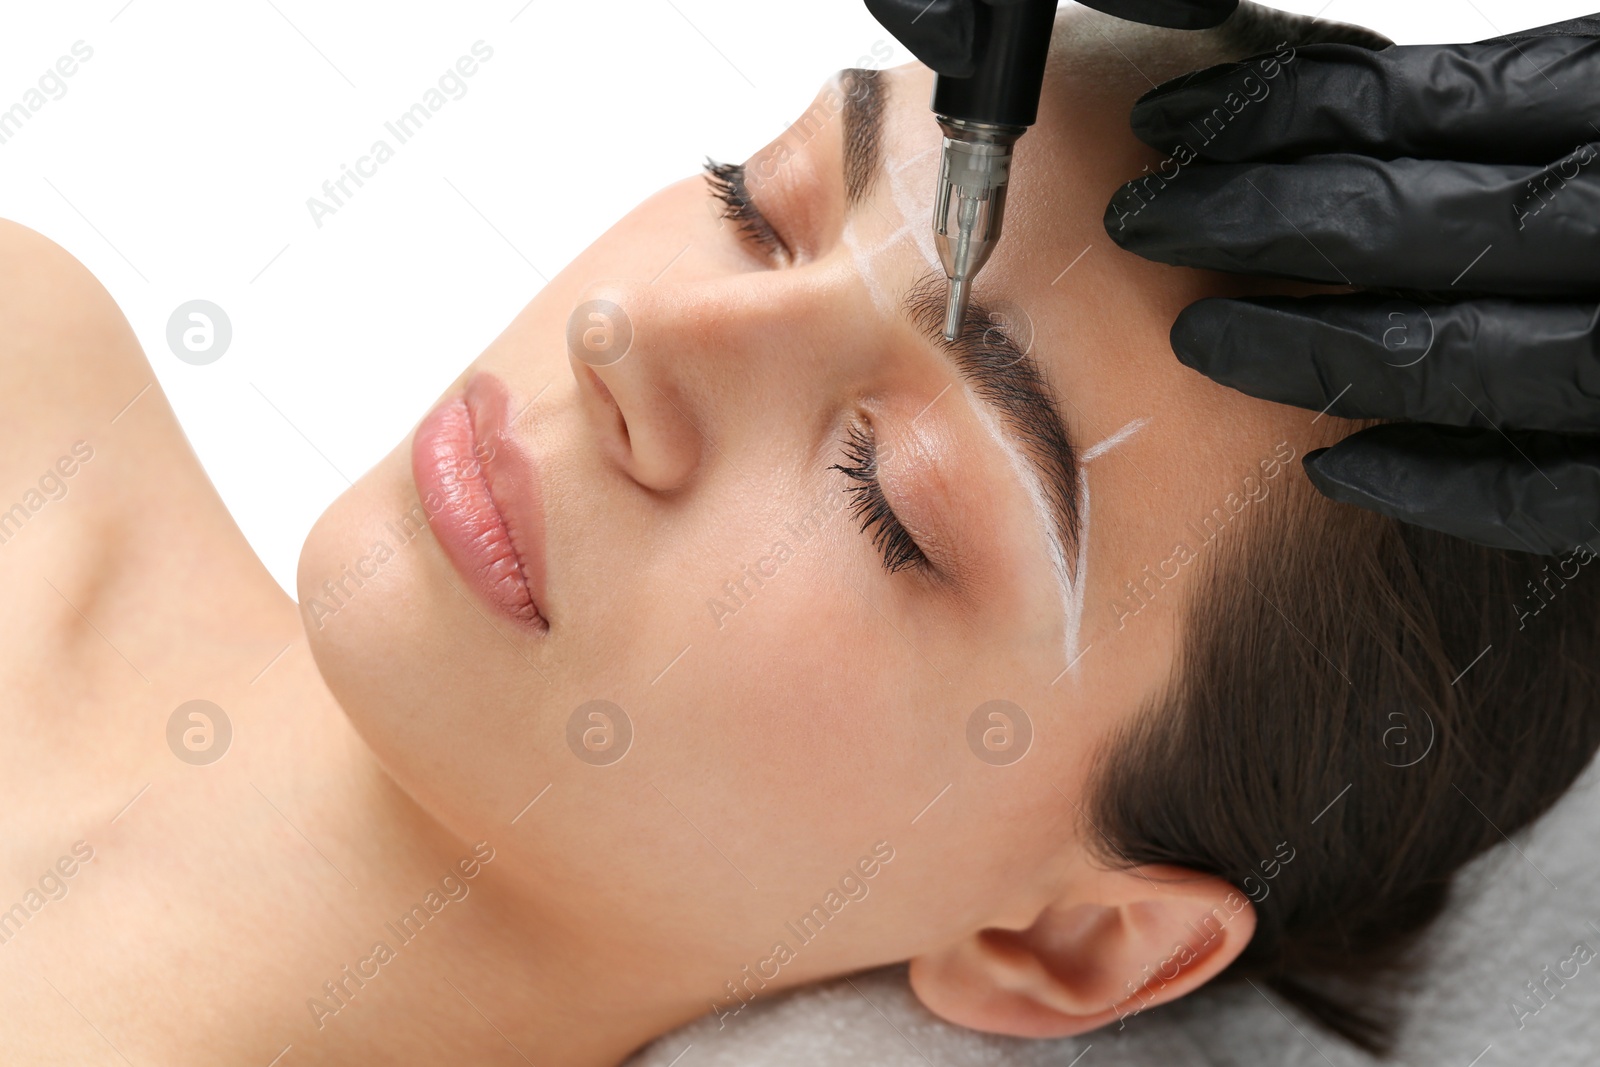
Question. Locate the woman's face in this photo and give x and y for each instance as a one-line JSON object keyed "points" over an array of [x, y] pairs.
{"points": [[788, 688]]}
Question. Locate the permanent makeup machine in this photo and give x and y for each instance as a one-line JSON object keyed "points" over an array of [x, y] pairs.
{"points": [[988, 57]]}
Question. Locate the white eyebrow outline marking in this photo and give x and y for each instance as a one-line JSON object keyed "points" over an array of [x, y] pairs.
{"points": [[1033, 485], [1075, 608], [864, 257], [1072, 592]]}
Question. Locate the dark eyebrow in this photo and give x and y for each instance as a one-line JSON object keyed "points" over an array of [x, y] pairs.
{"points": [[1015, 384], [1003, 375], [865, 95]]}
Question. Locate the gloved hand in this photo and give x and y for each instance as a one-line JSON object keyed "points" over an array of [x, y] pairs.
{"points": [[942, 33], [1460, 186]]}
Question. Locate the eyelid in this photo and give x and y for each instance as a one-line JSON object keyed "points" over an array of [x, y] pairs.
{"points": [[929, 479], [877, 518], [727, 182], [1017, 385], [920, 468]]}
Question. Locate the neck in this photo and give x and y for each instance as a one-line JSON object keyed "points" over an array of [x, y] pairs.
{"points": [[372, 933]]}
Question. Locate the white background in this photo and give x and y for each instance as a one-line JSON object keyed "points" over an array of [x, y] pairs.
{"points": [[178, 164]]}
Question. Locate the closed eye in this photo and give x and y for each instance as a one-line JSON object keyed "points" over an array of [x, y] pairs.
{"points": [[871, 509], [867, 501], [727, 181]]}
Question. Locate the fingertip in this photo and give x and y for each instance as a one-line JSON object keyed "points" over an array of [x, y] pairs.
{"points": [[1155, 119], [1445, 479], [1197, 332], [1324, 476], [1121, 211], [1351, 472], [1153, 113], [1148, 119]]}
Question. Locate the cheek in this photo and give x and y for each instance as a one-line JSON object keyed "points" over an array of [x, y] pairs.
{"points": [[794, 708], [777, 603], [814, 714], [928, 474]]}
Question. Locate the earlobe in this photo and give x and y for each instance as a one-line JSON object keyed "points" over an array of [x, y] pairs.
{"points": [[1116, 944]]}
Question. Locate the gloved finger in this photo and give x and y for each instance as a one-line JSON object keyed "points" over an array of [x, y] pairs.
{"points": [[1405, 223], [1492, 362], [1525, 100], [1531, 491]]}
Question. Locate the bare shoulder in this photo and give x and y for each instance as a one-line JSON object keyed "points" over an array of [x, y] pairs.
{"points": [[66, 350], [101, 496], [80, 404]]}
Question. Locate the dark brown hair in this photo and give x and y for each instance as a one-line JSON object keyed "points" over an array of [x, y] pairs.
{"points": [[1386, 702], [1381, 702]]}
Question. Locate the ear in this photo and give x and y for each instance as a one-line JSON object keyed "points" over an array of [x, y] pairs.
{"points": [[1118, 942]]}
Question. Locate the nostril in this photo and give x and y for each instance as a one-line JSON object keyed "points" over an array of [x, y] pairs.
{"points": [[638, 402]]}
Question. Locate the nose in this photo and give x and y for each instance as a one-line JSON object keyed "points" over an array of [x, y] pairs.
{"points": [[673, 375]]}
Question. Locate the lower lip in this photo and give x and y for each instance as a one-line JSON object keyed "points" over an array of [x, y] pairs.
{"points": [[461, 454]]}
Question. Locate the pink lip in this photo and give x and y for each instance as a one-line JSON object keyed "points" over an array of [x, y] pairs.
{"points": [[480, 488]]}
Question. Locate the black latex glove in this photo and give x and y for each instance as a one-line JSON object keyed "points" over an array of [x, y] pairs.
{"points": [[1460, 185]]}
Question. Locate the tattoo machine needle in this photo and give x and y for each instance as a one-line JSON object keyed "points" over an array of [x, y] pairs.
{"points": [[989, 58], [982, 117]]}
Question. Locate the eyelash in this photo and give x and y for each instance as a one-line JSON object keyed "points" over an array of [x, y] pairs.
{"points": [[867, 502], [727, 181], [869, 506]]}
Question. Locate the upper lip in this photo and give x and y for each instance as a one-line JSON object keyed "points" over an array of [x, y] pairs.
{"points": [[512, 478]]}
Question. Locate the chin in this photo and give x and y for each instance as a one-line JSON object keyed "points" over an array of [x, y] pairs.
{"points": [[370, 616], [413, 663]]}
